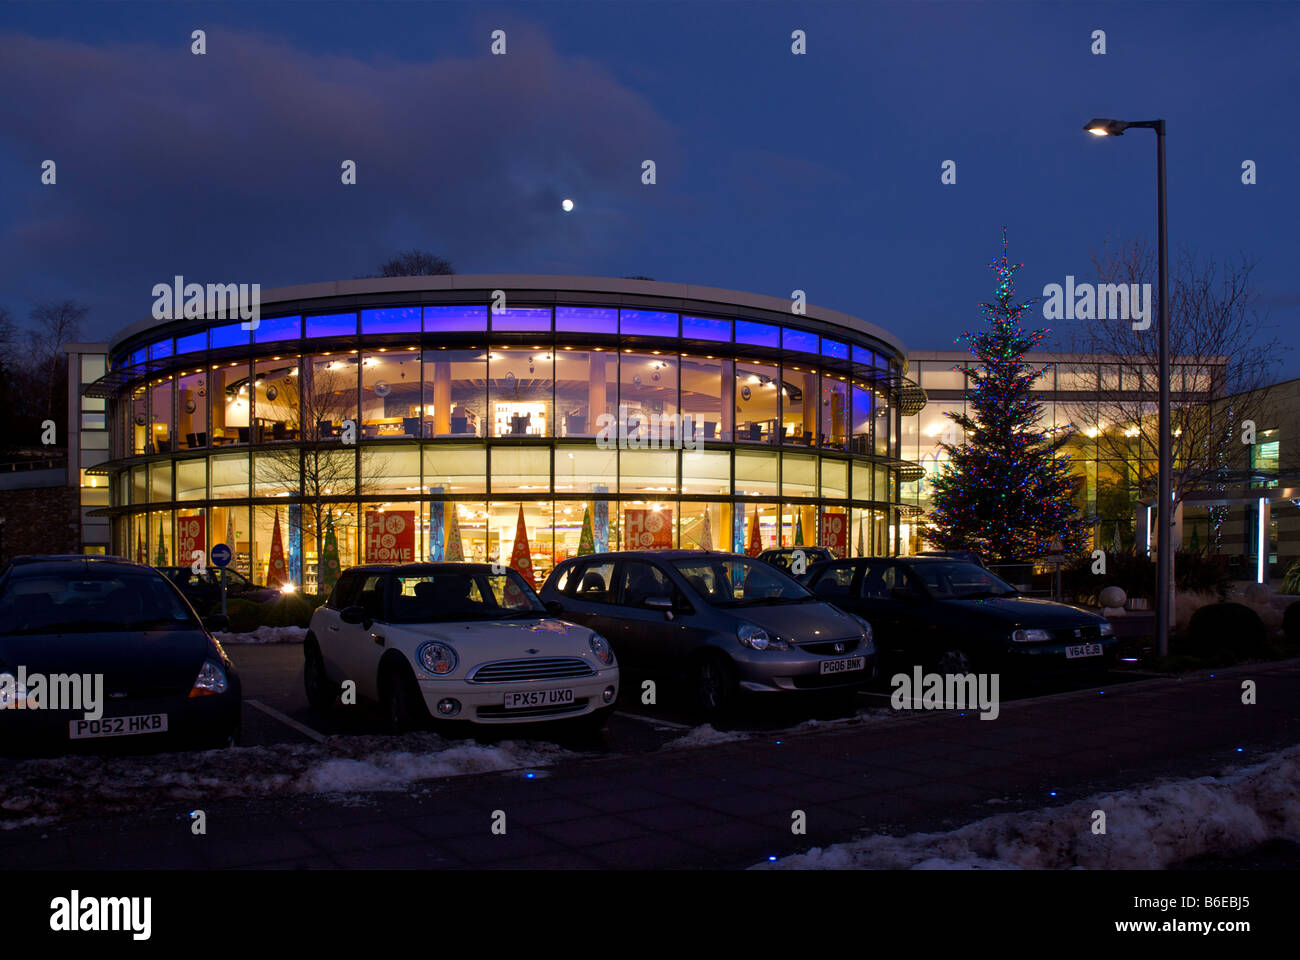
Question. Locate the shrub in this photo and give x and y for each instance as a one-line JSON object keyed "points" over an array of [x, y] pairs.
{"points": [[286, 610], [1136, 576], [1231, 630], [244, 615], [1291, 581]]}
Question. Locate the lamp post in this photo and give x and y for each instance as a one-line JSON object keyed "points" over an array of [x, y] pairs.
{"points": [[1102, 127]]}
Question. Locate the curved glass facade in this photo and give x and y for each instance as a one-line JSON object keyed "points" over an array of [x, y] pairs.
{"points": [[434, 429]]}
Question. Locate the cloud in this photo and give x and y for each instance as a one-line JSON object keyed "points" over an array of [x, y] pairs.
{"points": [[227, 166]]}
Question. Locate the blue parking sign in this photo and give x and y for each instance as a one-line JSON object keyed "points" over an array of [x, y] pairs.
{"points": [[220, 555]]}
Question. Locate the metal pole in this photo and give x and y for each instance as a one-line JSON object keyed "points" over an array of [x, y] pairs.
{"points": [[223, 591], [1164, 546]]}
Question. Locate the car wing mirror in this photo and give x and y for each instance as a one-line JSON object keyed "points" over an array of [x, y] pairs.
{"points": [[355, 614], [554, 606]]}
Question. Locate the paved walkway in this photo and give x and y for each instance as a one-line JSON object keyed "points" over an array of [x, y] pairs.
{"points": [[727, 805]]}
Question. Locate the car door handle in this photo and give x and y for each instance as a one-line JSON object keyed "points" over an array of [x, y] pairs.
{"points": [[377, 638], [334, 628]]}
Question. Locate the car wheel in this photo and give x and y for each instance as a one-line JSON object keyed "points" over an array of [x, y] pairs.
{"points": [[321, 691], [404, 707], [715, 686], [953, 661]]}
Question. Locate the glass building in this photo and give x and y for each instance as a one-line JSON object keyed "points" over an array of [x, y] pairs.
{"points": [[421, 418], [1099, 399]]}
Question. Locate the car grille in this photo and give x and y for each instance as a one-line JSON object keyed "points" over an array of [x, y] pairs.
{"points": [[534, 668], [818, 682], [501, 713], [1090, 633], [827, 647]]}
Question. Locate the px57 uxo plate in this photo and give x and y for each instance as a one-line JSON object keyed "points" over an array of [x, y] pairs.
{"points": [[538, 698]]}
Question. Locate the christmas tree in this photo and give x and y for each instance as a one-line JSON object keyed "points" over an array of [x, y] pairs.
{"points": [[1006, 494]]}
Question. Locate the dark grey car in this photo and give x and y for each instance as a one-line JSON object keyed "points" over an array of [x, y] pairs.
{"points": [[729, 623]]}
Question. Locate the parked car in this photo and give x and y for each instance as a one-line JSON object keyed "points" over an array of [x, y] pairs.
{"points": [[795, 560], [203, 590], [455, 641], [956, 617], [727, 623], [139, 655]]}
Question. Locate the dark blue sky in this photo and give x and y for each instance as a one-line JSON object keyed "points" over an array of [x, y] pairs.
{"points": [[775, 171]]}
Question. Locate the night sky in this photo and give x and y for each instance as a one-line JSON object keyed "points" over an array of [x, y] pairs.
{"points": [[775, 171]]}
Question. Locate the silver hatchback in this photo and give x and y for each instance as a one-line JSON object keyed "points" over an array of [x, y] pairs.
{"points": [[730, 624]]}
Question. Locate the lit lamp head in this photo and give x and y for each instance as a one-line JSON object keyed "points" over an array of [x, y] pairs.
{"points": [[1101, 127]]}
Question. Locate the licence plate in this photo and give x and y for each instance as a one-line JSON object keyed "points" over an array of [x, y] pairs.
{"points": [[117, 726], [538, 698], [844, 666], [1083, 650]]}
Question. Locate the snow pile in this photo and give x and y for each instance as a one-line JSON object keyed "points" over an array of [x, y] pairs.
{"points": [[1147, 827], [264, 635], [65, 788], [864, 717], [703, 736]]}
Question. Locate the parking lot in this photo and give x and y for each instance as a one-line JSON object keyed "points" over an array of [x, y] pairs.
{"points": [[276, 708]]}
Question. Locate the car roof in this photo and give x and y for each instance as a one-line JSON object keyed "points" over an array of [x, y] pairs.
{"points": [[71, 561], [46, 557], [418, 566], [674, 554]]}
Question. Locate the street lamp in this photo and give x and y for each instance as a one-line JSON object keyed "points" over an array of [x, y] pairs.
{"points": [[1103, 127]]}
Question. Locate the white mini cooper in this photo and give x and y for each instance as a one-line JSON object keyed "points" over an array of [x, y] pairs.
{"points": [[455, 641]]}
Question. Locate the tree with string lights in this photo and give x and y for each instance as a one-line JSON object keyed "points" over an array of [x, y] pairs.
{"points": [[1007, 493]]}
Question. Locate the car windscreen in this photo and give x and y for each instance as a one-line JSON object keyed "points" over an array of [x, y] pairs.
{"points": [[463, 595], [91, 601], [958, 580], [733, 582]]}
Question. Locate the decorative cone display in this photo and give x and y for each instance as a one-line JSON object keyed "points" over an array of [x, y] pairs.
{"points": [[861, 551], [520, 559], [162, 547], [455, 552], [328, 569], [798, 528], [586, 542], [706, 538], [141, 556], [276, 574], [755, 541]]}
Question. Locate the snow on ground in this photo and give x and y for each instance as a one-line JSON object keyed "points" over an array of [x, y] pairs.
{"points": [[1147, 827], [704, 735], [264, 635], [40, 791]]}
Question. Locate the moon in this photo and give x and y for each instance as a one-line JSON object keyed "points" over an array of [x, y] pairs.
{"points": [[567, 204]]}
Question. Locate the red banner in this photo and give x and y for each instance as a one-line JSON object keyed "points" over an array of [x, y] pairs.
{"points": [[648, 529], [835, 533], [190, 536], [390, 536]]}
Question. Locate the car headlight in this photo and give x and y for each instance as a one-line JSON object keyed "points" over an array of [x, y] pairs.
{"points": [[1107, 629], [756, 638], [866, 627], [600, 647], [210, 681], [12, 693], [438, 658], [1030, 636]]}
